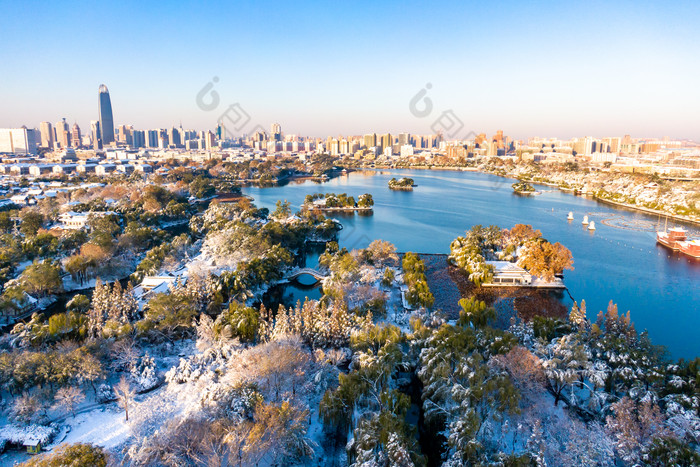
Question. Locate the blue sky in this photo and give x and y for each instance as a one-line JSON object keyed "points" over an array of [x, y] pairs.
{"points": [[532, 68]]}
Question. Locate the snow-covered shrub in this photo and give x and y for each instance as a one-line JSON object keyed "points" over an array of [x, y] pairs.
{"points": [[212, 361], [105, 393], [144, 374], [236, 403]]}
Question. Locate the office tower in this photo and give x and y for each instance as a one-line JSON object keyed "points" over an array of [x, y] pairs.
{"points": [[138, 138], [174, 137], [614, 143], [124, 134], [404, 139], [96, 134], [151, 138], [209, 141], [163, 140], [18, 140], [583, 146], [63, 134], [370, 140], [47, 136], [276, 132], [105, 112], [387, 141], [76, 139]]}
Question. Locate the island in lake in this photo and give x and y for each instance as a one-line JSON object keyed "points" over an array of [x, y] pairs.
{"points": [[523, 188], [341, 202], [401, 184]]}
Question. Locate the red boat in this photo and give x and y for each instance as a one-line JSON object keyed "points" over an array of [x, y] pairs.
{"points": [[672, 238], [691, 248]]}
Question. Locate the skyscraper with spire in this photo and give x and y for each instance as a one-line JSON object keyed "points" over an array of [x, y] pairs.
{"points": [[106, 120]]}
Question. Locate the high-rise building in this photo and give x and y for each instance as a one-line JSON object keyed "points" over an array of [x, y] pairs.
{"points": [[152, 138], [163, 140], [106, 119], [404, 139], [209, 140], [387, 141], [175, 137], [124, 133], [138, 138], [370, 140], [76, 139], [63, 134], [47, 136], [276, 132], [96, 134], [18, 140]]}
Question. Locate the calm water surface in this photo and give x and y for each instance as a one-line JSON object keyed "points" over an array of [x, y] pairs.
{"points": [[619, 261]]}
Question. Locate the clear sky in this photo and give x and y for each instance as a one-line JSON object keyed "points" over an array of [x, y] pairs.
{"points": [[531, 68]]}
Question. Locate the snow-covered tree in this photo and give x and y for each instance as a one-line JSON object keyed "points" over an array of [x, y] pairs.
{"points": [[577, 316], [125, 395], [68, 398], [634, 426], [565, 362], [144, 374]]}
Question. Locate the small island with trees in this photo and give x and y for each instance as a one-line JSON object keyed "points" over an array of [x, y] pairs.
{"points": [[341, 202], [405, 184], [517, 257], [523, 188]]}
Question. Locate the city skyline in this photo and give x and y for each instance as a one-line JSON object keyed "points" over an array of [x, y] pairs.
{"points": [[549, 70]]}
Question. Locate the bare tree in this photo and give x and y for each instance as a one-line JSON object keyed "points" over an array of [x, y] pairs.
{"points": [[25, 408], [124, 355], [125, 395], [69, 398]]}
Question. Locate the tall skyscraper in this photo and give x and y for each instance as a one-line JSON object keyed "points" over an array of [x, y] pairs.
{"points": [[96, 134], [387, 141], [276, 132], [47, 136], [152, 138], [370, 140], [76, 138], [63, 133], [138, 138], [106, 119], [175, 137]]}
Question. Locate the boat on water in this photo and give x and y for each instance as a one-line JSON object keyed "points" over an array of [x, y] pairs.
{"points": [[591, 226], [671, 238], [585, 220], [570, 217], [691, 248]]}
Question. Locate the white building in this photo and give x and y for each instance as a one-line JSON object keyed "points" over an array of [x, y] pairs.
{"points": [[507, 273], [406, 150], [79, 220], [18, 140]]}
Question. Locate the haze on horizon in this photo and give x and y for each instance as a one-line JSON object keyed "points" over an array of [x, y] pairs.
{"points": [[532, 68]]}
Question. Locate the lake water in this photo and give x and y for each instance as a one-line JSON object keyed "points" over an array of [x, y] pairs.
{"points": [[619, 261]]}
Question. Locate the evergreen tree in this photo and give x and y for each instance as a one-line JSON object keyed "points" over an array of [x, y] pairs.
{"points": [[577, 316]]}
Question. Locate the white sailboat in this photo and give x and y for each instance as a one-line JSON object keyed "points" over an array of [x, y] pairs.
{"points": [[591, 226], [585, 220], [570, 217]]}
